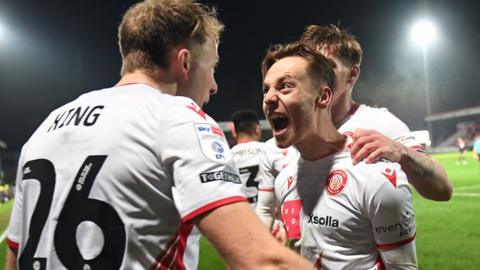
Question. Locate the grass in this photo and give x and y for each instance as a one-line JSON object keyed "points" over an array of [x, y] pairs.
{"points": [[447, 232], [209, 258], [5, 210]]}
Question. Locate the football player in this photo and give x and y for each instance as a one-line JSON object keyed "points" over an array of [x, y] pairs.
{"points": [[119, 177], [248, 150], [352, 216]]}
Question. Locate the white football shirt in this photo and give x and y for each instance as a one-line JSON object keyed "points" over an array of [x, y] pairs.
{"points": [[349, 215], [365, 117], [113, 179], [273, 160], [383, 121], [247, 158]]}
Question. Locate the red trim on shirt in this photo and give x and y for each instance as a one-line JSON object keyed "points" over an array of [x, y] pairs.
{"points": [[397, 244], [182, 244], [172, 256], [164, 259], [213, 205], [417, 147], [379, 264], [318, 263], [266, 189], [12, 244]]}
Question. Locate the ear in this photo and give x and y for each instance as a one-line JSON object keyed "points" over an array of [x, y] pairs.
{"points": [[353, 74], [184, 62], [324, 98], [258, 131]]}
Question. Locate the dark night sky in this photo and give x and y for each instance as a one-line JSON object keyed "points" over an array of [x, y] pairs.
{"points": [[53, 51]]}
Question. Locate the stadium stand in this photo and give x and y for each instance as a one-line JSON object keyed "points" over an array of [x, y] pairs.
{"points": [[450, 125]]}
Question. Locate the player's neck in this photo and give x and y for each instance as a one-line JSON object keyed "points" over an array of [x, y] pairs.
{"points": [[326, 141], [245, 139], [343, 109], [143, 78]]}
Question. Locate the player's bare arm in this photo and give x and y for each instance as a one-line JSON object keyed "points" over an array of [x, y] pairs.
{"points": [[238, 234], [427, 175], [11, 259]]}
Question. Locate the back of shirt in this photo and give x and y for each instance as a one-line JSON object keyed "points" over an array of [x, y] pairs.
{"points": [[379, 119], [112, 180], [247, 159]]}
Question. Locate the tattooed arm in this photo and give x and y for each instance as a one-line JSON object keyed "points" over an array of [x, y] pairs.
{"points": [[427, 175]]}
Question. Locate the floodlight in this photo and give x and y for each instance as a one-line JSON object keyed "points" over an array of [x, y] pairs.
{"points": [[423, 32]]}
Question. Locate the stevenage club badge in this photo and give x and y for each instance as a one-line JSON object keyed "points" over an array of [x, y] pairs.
{"points": [[336, 181]]}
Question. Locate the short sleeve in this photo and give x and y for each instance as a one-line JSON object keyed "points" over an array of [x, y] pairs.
{"points": [[390, 209], [15, 224], [267, 172], [272, 161], [197, 157]]}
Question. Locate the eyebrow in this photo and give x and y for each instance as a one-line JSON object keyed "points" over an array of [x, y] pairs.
{"points": [[281, 79]]}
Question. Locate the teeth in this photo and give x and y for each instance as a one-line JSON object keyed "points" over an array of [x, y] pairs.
{"points": [[276, 116]]}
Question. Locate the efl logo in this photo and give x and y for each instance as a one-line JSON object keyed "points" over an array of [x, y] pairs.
{"points": [[212, 142], [218, 149], [336, 181]]}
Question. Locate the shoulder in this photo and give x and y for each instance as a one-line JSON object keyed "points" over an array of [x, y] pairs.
{"points": [[379, 119], [183, 109], [272, 151], [271, 145], [382, 181], [381, 113], [289, 171]]}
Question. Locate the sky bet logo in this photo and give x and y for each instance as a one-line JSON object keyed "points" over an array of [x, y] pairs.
{"points": [[323, 221], [203, 128], [210, 129]]}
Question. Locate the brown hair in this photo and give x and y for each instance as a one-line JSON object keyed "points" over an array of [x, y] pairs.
{"points": [[337, 41], [320, 68], [150, 29]]}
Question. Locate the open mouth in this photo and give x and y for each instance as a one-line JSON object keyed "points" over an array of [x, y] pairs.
{"points": [[279, 123]]}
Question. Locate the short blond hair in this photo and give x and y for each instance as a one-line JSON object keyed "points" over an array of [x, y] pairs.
{"points": [[336, 40], [150, 29]]}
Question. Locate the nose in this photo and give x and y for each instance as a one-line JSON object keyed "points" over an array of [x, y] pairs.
{"points": [[213, 88], [269, 97], [270, 100]]}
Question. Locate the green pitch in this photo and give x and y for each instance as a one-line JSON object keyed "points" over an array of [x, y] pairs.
{"points": [[448, 236]]}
